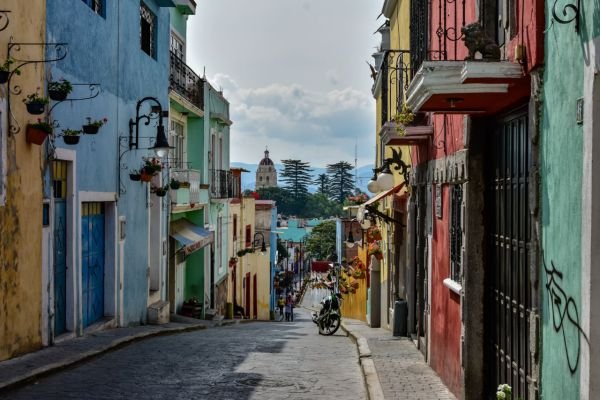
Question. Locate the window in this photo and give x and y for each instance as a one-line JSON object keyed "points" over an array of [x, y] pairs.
{"points": [[177, 141], [267, 179], [260, 179], [248, 235], [147, 30], [235, 227], [97, 6], [456, 232], [177, 46]]}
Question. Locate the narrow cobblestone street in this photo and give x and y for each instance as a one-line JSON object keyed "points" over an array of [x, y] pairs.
{"points": [[262, 360]]}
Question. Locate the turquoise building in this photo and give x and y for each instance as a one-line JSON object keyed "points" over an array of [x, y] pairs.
{"points": [[569, 273]]}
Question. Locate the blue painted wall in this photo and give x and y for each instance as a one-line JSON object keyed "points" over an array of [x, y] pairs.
{"points": [[107, 51]]}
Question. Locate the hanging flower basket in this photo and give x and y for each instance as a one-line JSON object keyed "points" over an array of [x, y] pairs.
{"points": [[92, 127], [375, 251], [358, 274], [35, 108], [72, 140], [160, 191], [37, 133], [4, 76], [175, 184], [59, 90], [145, 177], [373, 234], [135, 175], [35, 104]]}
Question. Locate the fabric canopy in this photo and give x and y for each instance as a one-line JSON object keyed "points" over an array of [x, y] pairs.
{"points": [[360, 216], [191, 237]]}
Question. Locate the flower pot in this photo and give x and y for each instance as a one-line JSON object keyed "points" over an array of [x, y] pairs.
{"points": [[35, 136], [35, 108], [90, 129], [184, 185], [175, 185], [71, 139], [145, 177], [160, 192], [135, 177], [57, 95], [4, 76]]}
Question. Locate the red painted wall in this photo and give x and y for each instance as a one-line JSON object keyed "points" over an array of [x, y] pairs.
{"points": [[444, 347]]}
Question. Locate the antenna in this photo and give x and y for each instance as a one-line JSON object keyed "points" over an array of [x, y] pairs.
{"points": [[355, 162]]}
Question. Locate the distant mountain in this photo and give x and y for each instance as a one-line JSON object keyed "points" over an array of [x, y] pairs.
{"points": [[364, 173]]}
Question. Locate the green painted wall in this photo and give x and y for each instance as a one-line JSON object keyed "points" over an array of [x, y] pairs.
{"points": [[194, 275], [561, 166], [196, 142], [178, 22]]}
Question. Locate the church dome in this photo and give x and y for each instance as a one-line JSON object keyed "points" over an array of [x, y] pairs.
{"points": [[266, 160]]}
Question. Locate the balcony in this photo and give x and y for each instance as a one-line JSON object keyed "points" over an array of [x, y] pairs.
{"points": [[224, 185], [189, 193], [450, 78], [186, 83]]}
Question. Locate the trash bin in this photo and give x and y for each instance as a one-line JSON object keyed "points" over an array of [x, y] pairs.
{"points": [[400, 318]]}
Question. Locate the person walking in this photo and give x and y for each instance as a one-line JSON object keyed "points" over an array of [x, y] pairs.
{"points": [[280, 305], [288, 308]]}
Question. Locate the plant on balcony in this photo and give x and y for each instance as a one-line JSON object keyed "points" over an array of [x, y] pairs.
{"points": [[175, 184], [184, 184], [403, 118], [92, 127], [504, 392], [37, 133], [5, 70], [135, 175], [358, 264], [71, 136], [59, 90], [160, 191], [35, 104]]}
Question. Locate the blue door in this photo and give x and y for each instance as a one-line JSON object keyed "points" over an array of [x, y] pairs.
{"points": [[59, 189], [92, 231]]}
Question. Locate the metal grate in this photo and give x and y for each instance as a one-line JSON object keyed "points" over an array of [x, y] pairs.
{"points": [[456, 233], [147, 28], [419, 25], [184, 80], [509, 285]]}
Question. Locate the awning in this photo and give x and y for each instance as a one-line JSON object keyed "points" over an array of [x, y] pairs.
{"points": [[360, 216], [191, 237], [381, 195]]}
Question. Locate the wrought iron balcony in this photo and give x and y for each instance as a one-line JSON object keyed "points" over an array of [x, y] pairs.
{"points": [[223, 185], [189, 190], [184, 81]]}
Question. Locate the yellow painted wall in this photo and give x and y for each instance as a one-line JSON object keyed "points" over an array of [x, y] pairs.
{"points": [[354, 305], [233, 247], [21, 215]]}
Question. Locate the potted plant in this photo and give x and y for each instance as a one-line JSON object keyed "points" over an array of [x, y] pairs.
{"points": [[135, 175], [71, 136], [35, 104], [5, 70], [152, 166], [59, 90], [374, 250], [403, 118], [175, 184], [373, 234], [37, 133], [184, 184], [160, 191], [93, 126]]}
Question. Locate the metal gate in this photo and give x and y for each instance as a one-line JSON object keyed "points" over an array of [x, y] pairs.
{"points": [[92, 261], [59, 189], [508, 279]]}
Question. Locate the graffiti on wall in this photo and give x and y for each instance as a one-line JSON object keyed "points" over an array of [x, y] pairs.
{"points": [[565, 315]]}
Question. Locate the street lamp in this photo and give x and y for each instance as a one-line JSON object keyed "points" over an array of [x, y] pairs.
{"points": [[161, 144], [350, 239], [383, 179]]}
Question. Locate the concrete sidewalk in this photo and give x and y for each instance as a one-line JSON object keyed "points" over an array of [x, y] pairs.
{"points": [[69, 352], [393, 366]]}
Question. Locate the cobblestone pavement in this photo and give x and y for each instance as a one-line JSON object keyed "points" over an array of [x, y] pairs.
{"points": [[402, 371], [262, 360]]}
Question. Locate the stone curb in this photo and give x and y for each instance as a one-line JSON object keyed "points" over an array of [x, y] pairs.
{"points": [[366, 362], [114, 345]]}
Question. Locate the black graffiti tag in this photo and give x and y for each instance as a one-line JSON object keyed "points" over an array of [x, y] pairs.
{"points": [[565, 315]]}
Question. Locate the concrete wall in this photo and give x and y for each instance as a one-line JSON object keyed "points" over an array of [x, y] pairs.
{"points": [[126, 74], [21, 193], [563, 344]]}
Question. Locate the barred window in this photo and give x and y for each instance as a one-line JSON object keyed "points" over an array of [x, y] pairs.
{"points": [[97, 6], [456, 232], [147, 30], [177, 141]]}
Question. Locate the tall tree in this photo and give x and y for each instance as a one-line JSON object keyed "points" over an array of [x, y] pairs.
{"points": [[322, 182], [321, 241], [296, 177], [341, 182]]}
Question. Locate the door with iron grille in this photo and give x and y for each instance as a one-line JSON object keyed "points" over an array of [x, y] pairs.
{"points": [[507, 277]]}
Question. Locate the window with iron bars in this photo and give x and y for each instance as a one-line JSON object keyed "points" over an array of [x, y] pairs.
{"points": [[147, 31], [97, 6], [456, 233], [177, 141]]}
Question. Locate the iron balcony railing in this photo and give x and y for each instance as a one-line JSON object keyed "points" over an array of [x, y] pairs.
{"points": [[189, 179], [223, 185], [184, 81]]}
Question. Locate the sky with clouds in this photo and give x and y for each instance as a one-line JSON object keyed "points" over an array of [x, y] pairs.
{"points": [[294, 73]]}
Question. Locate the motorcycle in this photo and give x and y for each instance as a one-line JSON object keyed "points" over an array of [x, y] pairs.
{"points": [[329, 317]]}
